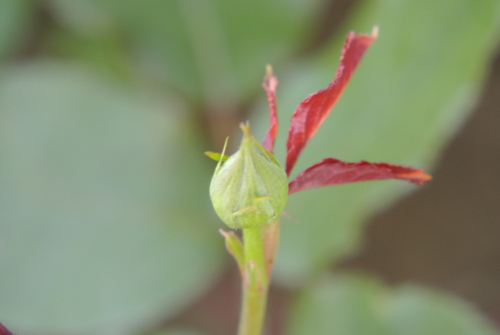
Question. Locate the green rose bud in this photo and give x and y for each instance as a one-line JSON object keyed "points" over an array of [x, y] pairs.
{"points": [[250, 188]]}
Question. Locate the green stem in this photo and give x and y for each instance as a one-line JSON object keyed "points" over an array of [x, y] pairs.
{"points": [[255, 284]]}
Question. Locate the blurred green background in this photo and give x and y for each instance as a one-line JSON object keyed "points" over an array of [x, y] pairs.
{"points": [[107, 106]]}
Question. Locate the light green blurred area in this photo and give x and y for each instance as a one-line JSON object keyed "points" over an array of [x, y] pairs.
{"points": [[354, 305], [97, 208], [105, 221]]}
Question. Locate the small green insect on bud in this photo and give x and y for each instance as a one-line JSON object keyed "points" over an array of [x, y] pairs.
{"points": [[250, 188]]}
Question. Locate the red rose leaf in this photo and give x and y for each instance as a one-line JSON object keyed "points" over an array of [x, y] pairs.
{"points": [[311, 112], [331, 171], [270, 83], [4, 331]]}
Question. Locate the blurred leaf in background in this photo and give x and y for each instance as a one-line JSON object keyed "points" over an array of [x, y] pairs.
{"points": [[208, 51], [351, 305], [105, 223], [102, 224]]}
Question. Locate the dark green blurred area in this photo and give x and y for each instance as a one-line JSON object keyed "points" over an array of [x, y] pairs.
{"points": [[107, 106]]}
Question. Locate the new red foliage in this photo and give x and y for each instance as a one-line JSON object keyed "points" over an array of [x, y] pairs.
{"points": [[311, 112], [270, 83], [4, 331], [331, 171]]}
